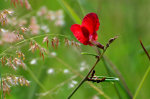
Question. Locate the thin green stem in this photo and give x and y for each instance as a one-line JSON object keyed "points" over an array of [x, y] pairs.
{"points": [[141, 83]]}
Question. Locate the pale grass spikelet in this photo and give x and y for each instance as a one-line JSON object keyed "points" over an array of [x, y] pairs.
{"points": [[20, 37], [10, 81], [56, 16], [33, 61], [83, 66], [53, 54], [20, 55], [59, 14], [3, 16], [10, 37], [45, 39], [45, 28], [27, 5], [34, 27], [72, 84], [42, 51], [19, 62], [14, 22], [59, 22], [14, 63], [9, 63], [66, 71], [59, 18], [33, 47], [23, 29], [14, 80], [55, 42], [36, 46], [3, 60], [50, 71], [22, 22], [95, 97], [72, 43], [51, 15], [22, 3], [42, 11]]}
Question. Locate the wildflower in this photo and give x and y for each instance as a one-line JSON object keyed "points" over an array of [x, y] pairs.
{"points": [[86, 32]]}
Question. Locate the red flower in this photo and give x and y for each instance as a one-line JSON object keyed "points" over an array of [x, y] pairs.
{"points": [[86, 32]]}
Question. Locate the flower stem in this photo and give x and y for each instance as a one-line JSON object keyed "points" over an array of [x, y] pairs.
{"points": [[85, 78]]}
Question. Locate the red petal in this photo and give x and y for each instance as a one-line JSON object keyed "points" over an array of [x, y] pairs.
{"points": [[80, 34], [91, 22]]}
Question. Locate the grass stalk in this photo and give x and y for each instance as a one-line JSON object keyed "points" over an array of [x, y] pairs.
{"points": [[141, 83]]}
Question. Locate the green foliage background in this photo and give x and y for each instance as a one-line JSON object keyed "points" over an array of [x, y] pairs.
{"points": [[127, 18]]}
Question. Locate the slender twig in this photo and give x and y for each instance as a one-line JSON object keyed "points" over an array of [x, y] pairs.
{"points": [[145, 75], [145, 50]]}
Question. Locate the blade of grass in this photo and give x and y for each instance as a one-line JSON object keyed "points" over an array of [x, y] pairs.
{"points": [[35, 79], [141, 83], [145, 75], [109, 68], [79, 2], [70, 11], [2, 95]]}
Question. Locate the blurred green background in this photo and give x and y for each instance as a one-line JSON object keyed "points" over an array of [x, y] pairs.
{"points": [[127, 18]]}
